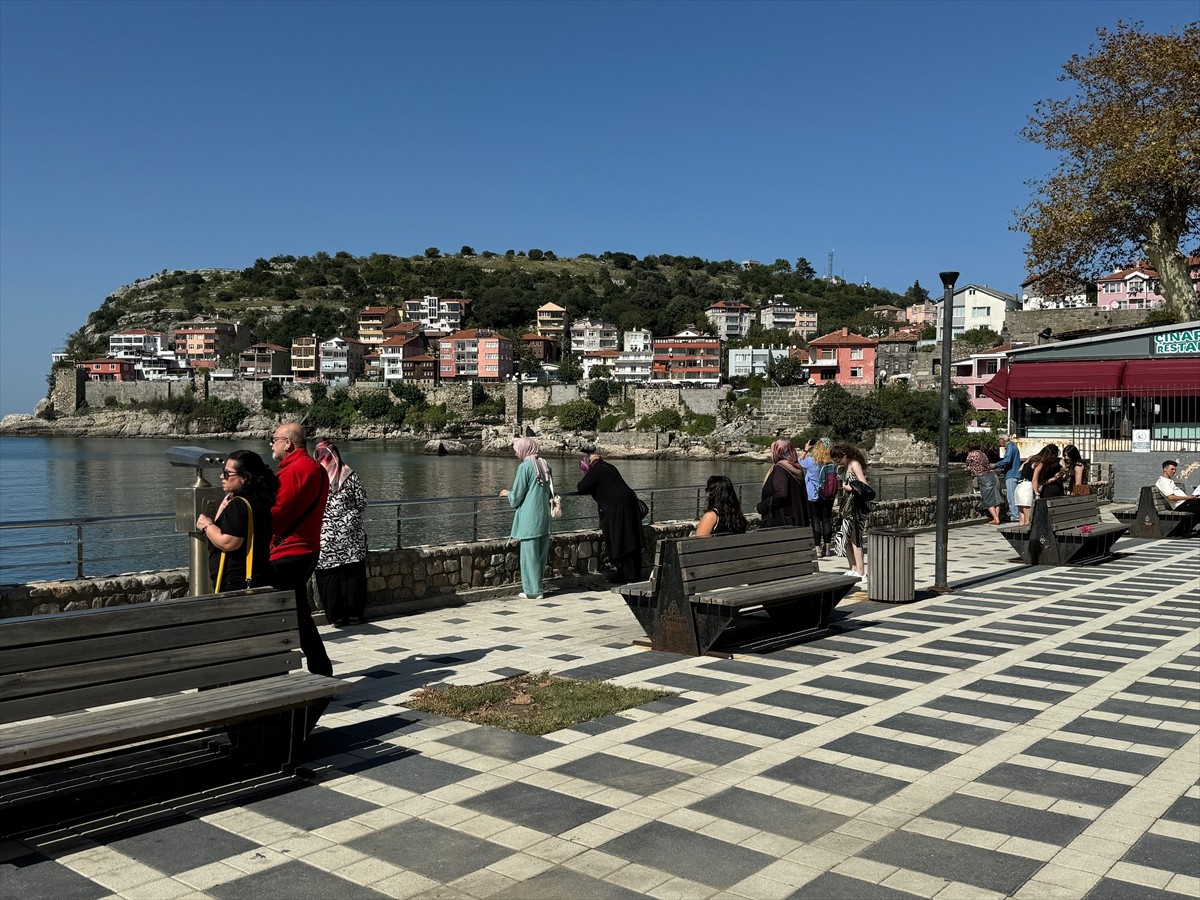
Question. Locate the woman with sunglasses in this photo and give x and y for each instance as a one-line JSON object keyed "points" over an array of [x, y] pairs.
{"points": [[239, 535]]}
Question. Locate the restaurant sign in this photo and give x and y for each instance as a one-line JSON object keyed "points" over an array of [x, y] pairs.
{"points": [[1174, 343]]}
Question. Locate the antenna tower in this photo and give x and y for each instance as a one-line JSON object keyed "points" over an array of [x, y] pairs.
{"points": [[829, 268]]}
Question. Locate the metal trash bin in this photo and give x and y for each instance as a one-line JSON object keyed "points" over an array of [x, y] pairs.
{"points": [[892, 575]]}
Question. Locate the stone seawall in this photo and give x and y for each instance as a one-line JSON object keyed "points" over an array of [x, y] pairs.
{"points": [[412, 579]]}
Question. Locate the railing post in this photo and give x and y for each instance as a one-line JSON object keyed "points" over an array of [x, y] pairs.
{"points": [[399, 525], [474, 520], [79, 551]]}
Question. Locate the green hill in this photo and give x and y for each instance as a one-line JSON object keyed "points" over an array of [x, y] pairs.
{"points": [[287, 296]]}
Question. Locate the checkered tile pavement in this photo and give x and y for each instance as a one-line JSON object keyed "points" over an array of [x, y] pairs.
{"points": [[1034, 733]]}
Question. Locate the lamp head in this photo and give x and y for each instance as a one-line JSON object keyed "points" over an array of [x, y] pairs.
{"points": [[948, 278]]}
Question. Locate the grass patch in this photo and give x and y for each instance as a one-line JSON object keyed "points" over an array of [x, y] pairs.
{"points": [[534, 703]]}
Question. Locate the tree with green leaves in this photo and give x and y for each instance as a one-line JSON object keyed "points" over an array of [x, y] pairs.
{"points": [[1127, 180], [916, 293], [979, 339], [787, 371]]}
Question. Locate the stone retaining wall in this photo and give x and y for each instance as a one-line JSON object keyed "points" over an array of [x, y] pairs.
{"points": [[411, 579]]}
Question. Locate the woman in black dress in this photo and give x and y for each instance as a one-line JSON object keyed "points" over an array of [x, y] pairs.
{"points": [[620, 514]]}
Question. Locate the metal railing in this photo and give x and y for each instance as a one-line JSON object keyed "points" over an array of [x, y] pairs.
{"points": [[102, 546]]}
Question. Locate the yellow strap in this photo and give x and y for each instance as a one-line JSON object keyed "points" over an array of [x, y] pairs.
{"points": [[249, 551]]}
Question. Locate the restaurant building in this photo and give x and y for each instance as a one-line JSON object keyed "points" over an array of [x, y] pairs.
{"points": [[1130, 391]]}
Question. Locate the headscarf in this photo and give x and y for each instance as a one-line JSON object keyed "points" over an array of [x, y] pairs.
{"points": [[528, 448], [331, 461], [784, 454]]}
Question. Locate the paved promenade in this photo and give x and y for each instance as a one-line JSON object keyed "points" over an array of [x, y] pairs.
{"points": [[1035, 733]]}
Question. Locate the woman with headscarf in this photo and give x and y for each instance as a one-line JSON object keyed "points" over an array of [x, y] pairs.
{"points": [[620, 514], [784, 495], [342, 565], [530, 498]]}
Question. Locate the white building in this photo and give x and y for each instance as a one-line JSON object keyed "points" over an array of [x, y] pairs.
{"points": [[730, 319], [633, 365], [137, 342], [437, 313], [589, 335], [746, 361], [977, 306], [1039, 292], [640, 340]]}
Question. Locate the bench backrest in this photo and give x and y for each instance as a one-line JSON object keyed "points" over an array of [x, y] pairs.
{"points": [[1161, 504], [1072, 511], [75, 660], [769, 554]]}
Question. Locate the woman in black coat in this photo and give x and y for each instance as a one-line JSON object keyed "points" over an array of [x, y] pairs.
{"points": [[620, 514]]}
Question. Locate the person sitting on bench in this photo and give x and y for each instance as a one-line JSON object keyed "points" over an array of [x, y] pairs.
{"points": [[1179, 502]]}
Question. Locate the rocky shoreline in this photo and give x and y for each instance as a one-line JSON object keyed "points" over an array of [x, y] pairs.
{"points": [[486, 440]]}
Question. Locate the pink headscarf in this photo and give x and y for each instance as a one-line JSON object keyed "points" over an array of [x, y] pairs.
{"points": [[782, 449], [528, 448], [331, 461]]}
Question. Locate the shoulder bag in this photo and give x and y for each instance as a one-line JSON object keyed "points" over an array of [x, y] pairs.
{"points": [[556, 510], [249, 545]]}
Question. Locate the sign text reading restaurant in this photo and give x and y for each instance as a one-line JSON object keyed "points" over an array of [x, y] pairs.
{"points": [[1176, 342]]}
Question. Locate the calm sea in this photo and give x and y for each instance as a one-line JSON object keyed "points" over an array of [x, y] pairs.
{"points": [[78, 478]]}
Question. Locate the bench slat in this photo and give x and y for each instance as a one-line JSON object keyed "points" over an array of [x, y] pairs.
{"points": [[43, 741], [100, 695], [89, 623], [158, 640], [53, 679], [777, 591]]}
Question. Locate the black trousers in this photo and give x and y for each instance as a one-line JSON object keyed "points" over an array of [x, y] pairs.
{"points": [[292, 574], [821, 511], [343, 591]]}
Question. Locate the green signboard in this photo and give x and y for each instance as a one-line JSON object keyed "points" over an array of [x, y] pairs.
{"points": [[1176, 343]]}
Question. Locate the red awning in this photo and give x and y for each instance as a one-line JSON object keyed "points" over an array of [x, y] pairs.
{"points": [[997, 388], [1063, 379], [1153, 377]]}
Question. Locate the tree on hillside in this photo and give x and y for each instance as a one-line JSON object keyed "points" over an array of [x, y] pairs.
{"points": [[916, 293], [979, 339], [805, 270], [1127, 181]]}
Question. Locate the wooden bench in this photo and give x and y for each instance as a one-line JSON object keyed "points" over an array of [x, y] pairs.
{"points": [[1153, 517], [67, 679], [1064, 531], [757, 591]]}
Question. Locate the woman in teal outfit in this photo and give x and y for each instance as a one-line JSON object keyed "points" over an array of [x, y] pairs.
{"points": [[530, 497]]}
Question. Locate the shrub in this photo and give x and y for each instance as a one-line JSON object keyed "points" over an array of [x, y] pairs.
{"points": [[579, 415], [221, 415], [610, 422], [435, 418], [375, 405], [110, 400], [700, 425], [598, 391], [663, 420]]}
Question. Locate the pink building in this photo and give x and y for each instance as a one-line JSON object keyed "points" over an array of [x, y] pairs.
{"points": [[1137, 287], [476, 353], [848, 359], [109, 369], [973, 373]]}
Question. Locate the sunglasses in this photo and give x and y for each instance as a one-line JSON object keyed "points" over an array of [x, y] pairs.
{"points": [[227, 474]]}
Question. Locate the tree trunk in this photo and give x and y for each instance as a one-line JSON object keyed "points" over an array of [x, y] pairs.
{"points": [[1175, 281]]}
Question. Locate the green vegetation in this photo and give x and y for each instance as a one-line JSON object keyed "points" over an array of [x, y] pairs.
{"points": [[532, 703], [579, 415], [289, 296], [663, 420]]}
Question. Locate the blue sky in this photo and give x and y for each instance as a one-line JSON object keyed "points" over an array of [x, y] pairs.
{"points": [[141, 136]]}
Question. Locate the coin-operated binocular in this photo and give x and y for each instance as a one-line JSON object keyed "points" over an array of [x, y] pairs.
{"points": [[190, 502]]}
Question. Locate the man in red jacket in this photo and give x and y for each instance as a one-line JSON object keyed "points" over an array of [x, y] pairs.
{"points": [[296, 541]]}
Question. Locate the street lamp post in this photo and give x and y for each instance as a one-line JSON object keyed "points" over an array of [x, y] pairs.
{"points": [[943, 477]]}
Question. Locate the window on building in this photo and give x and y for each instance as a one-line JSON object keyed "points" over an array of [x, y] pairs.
{"points": [[979, 311], [856, 352], [856, 371], [1112, 287]]}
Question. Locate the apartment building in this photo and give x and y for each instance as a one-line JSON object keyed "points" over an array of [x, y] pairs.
{"points": [[731, 319], [138, 342], [687, 358], [306, 358], [974, 372], [475, 354], [640, 340], [201, 342], [589, 335], [372, 320], [408, 359], [265, 362], [446, 314], [743, 362], [342, 359], [552, 322], [848, 359], [977, 306], [108, 369]]}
